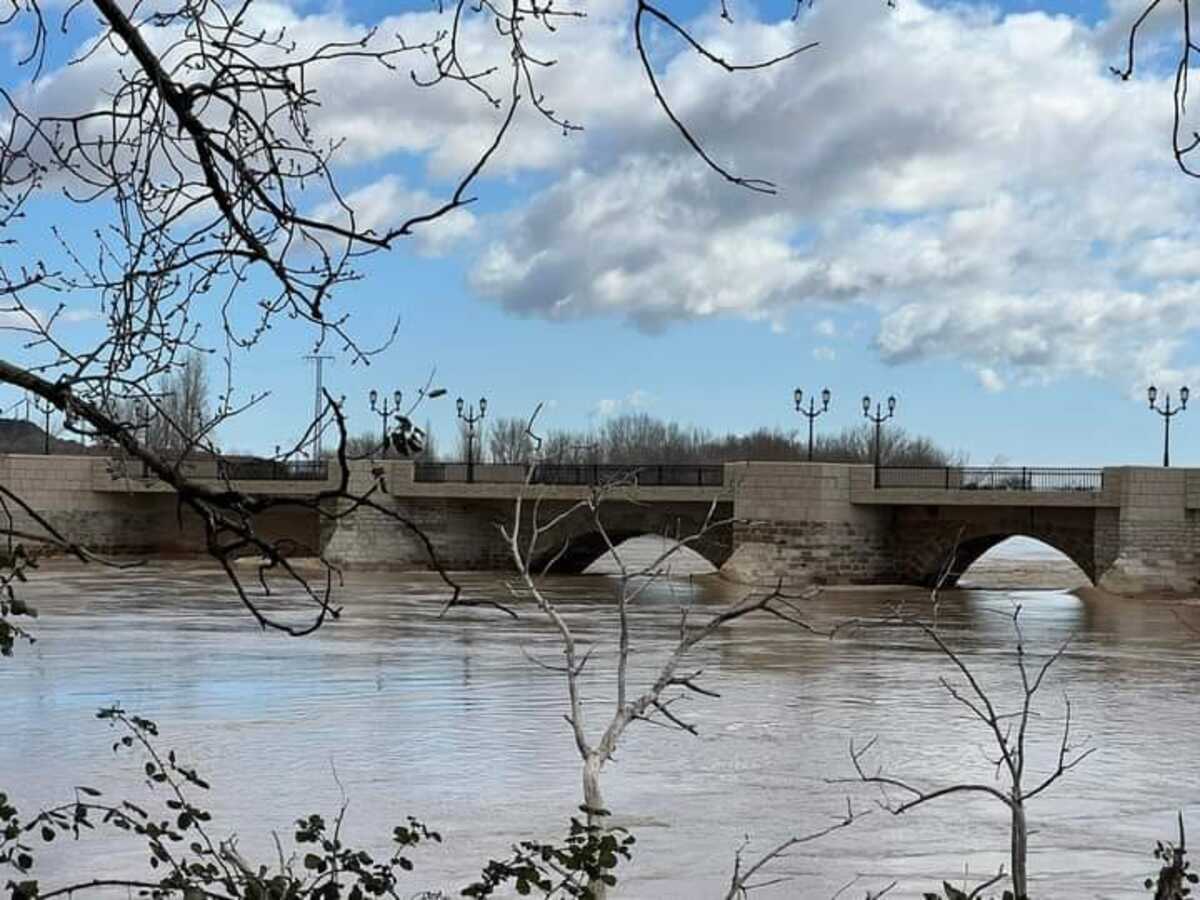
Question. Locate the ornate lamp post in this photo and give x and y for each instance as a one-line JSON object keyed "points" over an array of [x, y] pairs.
{"points": [[45, 409], [471, 418], [812, 412], [384, 412], [1166, 412], [878, 418]]}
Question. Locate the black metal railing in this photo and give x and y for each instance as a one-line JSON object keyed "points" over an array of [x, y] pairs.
{"points": [[273, 470], [576, 474], [989, 478], [244, 469]]}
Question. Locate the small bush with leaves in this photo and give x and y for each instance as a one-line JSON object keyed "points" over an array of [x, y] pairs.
{"points": [[14, 563], [588, 857], [950, 892], [1174, 877], [187, 862]]}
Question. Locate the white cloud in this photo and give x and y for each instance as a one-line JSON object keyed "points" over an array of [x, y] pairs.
{"points": [[977, 181], [824, 354], [635, 400], [607, 407], [980, 181], [990, 379]]}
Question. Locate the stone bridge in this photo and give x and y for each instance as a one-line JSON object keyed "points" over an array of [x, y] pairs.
{"points": [[1127, 528], [463, 520]]}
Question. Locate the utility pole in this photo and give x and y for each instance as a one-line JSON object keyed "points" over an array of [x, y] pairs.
{"points": [[318, 405]]}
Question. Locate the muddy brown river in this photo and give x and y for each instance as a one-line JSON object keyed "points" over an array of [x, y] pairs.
{"points": [[405, 713]]}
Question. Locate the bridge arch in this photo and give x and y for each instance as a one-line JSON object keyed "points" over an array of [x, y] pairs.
{"points": [[623, 521], [941, 540], [589, 547]]}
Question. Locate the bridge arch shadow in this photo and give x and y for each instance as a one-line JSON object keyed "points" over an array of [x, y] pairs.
{"points": [[955, 562], [585, 544], [640, 550]]}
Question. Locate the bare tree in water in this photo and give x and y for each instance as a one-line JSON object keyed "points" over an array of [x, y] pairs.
{"points": [[222, 216], [1008, 727], [538, 535]]}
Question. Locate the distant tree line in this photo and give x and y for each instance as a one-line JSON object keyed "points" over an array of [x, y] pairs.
{"points": [[639, 438]]}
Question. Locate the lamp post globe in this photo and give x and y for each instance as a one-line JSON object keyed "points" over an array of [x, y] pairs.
{"points": [[470, 417], [812, 412], [385, 412], [878, 417], [1167, 413]]}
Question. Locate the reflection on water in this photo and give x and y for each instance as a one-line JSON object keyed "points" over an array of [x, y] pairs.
{"points": [[446, 719]]}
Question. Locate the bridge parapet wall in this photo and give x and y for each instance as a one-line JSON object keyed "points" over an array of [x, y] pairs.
{"points": [[59, 488], [62, 489]]}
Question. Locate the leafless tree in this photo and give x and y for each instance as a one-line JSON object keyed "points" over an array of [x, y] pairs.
{"points": [[509, 441], [753, 874], [639, 438], [896, 448], [469, 442], [177, 416], [1185, 138], [358, 446], [567, 447], [533, 533], [430, 452], [1009, 732], [216, 192]]}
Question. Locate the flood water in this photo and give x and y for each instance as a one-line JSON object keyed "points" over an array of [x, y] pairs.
{"points": [[446, 719]]}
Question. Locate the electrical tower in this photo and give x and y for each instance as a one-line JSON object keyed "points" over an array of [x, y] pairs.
{"points": [[318, 402]]}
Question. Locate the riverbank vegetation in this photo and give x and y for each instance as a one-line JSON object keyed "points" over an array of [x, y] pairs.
{"points": [[641, 439]]}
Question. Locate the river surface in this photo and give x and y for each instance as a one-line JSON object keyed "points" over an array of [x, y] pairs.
{"points": [[404, 712]]}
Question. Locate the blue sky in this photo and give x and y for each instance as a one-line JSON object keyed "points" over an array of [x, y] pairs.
{"points": [[973, 215]]}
